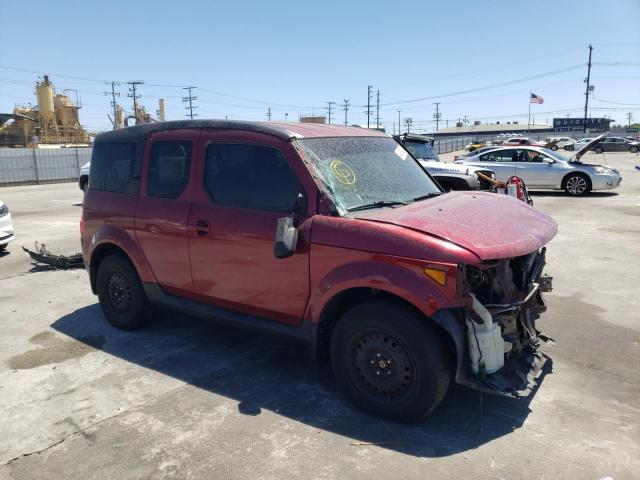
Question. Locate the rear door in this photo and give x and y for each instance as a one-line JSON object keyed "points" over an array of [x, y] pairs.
{"points": [[163, 209], [249, 181]]}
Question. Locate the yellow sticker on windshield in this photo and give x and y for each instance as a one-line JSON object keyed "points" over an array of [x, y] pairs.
{"points": [[343, 172]]}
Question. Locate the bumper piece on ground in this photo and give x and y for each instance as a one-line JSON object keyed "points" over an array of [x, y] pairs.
{"points": [[43, 256]]}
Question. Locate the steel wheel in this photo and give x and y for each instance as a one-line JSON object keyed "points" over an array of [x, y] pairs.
{"points": [[576, 185], [385, 370], [119, 292]]}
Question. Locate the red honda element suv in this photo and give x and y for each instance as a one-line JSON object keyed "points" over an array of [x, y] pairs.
{"points": [[335, 236]]}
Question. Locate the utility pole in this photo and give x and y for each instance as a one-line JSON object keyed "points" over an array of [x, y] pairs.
{"points": [[465, 120], [189, 99], [286, 116], [345, 109], [409, 122], [378, 110], [368, 104], [133, 94], [269, 114], [399, 122], [437, 115], [586, 92], [629, 118], [114, 94], [329, 105]]}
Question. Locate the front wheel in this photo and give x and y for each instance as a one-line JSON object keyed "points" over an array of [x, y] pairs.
{"points": [[577, 184], [598, 150], [120, 293], [554, 147], [390, 361], [633, 149]]}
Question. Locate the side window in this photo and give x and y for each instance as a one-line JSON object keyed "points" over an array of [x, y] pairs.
{"points": [[250, 176], [506, 155], [114, 167], [525, 155], [168, 168]]}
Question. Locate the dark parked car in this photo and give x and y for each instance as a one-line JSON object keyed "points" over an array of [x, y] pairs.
{"points": [[333, 236], [617, 144]]}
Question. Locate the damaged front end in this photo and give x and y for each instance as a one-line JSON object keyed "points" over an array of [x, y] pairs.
{"points": [[502, 342]]}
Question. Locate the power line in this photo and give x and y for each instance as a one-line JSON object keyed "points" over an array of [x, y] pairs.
{"points": [[486, 87]]}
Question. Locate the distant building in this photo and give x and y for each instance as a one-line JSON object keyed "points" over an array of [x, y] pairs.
{"points": [[513, 128], [571, 124], [313, 119]]}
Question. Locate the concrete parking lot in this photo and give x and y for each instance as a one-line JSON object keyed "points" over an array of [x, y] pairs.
{"points": [[186, 399]]}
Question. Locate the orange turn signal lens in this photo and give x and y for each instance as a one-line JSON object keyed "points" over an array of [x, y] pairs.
{"points": [[438, 275]]}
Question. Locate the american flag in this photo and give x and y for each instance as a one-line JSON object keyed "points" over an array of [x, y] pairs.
{"points": [[536, 98]]}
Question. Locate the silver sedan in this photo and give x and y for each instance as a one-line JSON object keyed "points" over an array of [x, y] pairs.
{"points": [[541, 168]]}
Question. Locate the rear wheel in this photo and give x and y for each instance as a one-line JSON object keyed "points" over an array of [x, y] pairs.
{"points": [[598, 150], [389, 361], [577, 184], [554, 147], [120, 293], [633, 149]]}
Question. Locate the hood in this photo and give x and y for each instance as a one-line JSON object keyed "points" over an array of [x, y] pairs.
{"points": [[490, 225], [588, 146]]}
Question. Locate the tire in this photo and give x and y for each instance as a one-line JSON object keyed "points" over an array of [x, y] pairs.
{"points": [[120, 293], [377, 338], [3, 247], [598, 150], [554, 147], [633, 149], [84, 183], [571, 148], [577, 184]]}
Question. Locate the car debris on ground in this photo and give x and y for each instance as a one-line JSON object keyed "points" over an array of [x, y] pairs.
{"points": [[42, 256]]}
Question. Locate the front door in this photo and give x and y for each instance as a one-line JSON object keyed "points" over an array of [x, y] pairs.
{"points": [[163, 207], [246, 187], [536, 169]]}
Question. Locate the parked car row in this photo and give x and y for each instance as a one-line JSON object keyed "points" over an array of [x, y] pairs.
{"points": [[544, 168]]}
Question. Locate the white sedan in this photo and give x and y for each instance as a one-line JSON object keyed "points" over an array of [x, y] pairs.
{"points": [[541, 168], [6, 227]]}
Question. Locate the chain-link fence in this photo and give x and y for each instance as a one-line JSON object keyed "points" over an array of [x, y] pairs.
{"points": [[24, 166]]}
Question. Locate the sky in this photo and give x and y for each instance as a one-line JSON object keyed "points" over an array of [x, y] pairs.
{"points": [[477, 59]]}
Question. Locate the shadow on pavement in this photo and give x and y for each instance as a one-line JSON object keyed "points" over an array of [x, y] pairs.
{"points": [[261, 372]]}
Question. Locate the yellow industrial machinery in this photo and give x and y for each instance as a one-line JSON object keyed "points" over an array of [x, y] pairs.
{"points": [[53, 121]]}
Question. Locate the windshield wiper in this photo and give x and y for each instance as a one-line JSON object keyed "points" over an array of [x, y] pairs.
{"points": [[428, 195], [378, 204]]}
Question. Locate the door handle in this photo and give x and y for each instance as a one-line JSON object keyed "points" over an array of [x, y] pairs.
{"points": [[200, 228]]}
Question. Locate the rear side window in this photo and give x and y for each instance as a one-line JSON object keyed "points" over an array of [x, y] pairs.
{"points": [[500, 156], [169, 169], [114, 167], [250, 176]]}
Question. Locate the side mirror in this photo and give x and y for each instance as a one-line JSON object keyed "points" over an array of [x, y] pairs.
{"points": [[548, 161], [286, 238]]}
